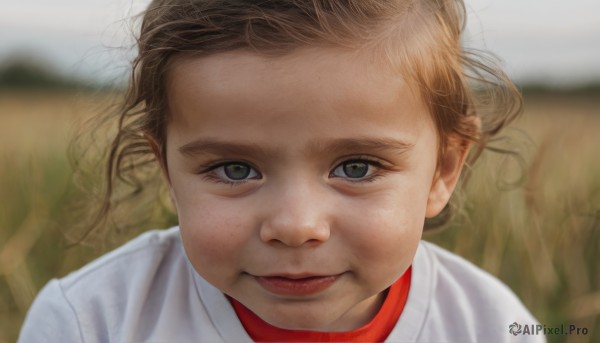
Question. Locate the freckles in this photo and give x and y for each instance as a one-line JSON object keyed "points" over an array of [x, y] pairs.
{"points": [[386, 230], [211, 234]]}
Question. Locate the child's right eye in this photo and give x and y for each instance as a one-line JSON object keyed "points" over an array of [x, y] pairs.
{"points": [[231, 172]]}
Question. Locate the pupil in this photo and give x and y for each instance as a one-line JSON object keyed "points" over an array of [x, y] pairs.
{"points": [[356, 169], [237, 171]]}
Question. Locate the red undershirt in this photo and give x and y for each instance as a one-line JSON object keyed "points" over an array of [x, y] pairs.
{"points": [[376, 330]]}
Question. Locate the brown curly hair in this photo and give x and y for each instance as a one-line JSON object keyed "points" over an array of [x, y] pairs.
{"points": [[422, 38]]}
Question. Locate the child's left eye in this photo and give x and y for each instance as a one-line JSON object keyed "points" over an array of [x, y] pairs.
{"points": [[355, 170]]}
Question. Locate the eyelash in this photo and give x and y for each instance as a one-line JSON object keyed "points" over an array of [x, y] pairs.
{"points": [[209, 174], [371, 163]]}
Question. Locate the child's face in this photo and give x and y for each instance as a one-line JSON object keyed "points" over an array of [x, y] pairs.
{"points": [[301, 182]]}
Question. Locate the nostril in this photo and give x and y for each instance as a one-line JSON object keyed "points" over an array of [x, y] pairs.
{"points": [[295, 235], [313, 242]]}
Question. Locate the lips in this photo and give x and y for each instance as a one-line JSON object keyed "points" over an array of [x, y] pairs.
{"points": [[296, 285]]}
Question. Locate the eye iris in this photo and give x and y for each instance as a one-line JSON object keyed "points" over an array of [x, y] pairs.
{"points": [[356, 169], [237, 171]]}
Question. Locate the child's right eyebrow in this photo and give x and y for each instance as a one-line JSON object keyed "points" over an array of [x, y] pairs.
{"points": [[333, 146]]}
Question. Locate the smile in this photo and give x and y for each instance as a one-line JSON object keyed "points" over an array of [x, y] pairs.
{"points": [[291, 285]]}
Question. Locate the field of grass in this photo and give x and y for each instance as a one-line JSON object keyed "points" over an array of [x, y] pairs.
{"points": [[534, 224]]}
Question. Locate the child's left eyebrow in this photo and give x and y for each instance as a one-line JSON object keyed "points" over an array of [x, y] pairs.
{"points": [[365, 144]]}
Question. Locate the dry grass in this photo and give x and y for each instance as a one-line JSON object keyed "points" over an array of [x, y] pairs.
{"points": [[540, 236]]}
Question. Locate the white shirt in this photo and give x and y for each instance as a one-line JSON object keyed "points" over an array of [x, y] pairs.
{"points": [[147, 291]]}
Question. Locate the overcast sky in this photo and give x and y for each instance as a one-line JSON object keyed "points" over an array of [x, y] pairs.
{"points": [[539, 40]]}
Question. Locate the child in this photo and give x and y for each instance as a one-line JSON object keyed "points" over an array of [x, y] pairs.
{"points": [[304, 143]]}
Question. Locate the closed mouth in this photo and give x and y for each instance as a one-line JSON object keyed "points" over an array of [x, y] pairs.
{"points": [[296, 285]]}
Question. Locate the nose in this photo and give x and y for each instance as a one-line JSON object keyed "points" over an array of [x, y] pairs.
{"points": [[296, 216]]}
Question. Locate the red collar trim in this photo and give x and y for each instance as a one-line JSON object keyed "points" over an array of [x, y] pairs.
{"points": [[376, 330]]}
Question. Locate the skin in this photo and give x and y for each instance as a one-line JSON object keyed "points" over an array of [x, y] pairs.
{"points": [[292, 123]]}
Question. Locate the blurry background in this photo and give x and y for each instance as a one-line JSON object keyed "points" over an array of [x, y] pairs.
{"points": [[537, 228]]}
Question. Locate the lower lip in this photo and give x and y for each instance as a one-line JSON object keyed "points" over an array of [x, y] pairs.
{"points": [[296, 287]]}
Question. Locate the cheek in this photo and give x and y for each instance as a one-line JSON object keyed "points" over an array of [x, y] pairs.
{"points": [[385, 234], [386, 231], [214, 235]]}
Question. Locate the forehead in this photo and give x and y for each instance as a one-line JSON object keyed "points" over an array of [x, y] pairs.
{"points": [[350, 74], [303, 64], [324, 86]]}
